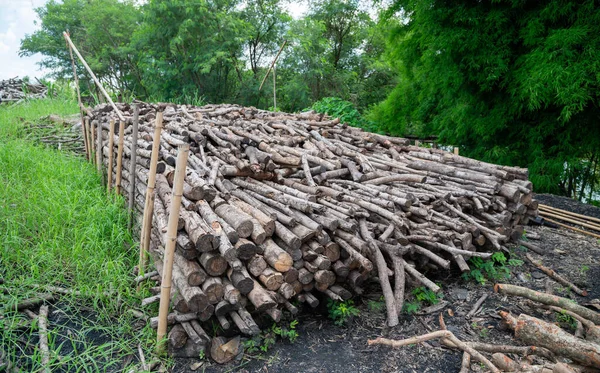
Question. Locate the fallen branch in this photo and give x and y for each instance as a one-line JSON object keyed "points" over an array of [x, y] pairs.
{"points": [[443, 334], [556, 276], [549, 299], [477, 305], [43, 325]]}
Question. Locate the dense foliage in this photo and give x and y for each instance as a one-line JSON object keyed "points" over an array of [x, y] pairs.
{"points": [[509, 81], [513, 82]]}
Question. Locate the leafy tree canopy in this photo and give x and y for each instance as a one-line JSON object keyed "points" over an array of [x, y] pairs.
{"points": [[510, 81]]}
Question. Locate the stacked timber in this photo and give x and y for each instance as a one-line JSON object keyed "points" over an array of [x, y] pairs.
{"points": [[281, 207], [16, 89]]}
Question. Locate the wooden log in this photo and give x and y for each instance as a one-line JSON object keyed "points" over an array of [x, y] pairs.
{"points": [[237, 219], [540, 333]]}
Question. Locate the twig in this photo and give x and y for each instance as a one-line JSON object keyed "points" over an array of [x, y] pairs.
{"points": [[145, 276], [556, 276], [142, 358], [477, 305], [444, 334], [43, 325]]}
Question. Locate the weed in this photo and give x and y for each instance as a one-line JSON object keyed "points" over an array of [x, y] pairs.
{"points": [[341, 312], [564, 318], [265, 340], [376, 306], [583, 270], [497, 268], [424, 295], [411, 307]]}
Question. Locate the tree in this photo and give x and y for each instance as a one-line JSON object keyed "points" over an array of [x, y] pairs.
{"points": [[100, 29], [513, 82], [190, 49]]}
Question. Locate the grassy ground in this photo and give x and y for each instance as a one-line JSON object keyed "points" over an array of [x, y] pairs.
{"points": [[58, 227]]}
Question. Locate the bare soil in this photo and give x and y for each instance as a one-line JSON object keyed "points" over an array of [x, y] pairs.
{"points": [[324, 347]]}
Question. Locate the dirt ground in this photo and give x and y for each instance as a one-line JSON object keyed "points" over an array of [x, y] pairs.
{"points": [[325, 347]]}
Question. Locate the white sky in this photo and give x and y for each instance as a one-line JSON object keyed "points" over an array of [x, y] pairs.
{"points": [[17, 19]]}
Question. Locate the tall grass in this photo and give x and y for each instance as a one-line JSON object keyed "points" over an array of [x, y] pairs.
{"points": [[58, 227]]}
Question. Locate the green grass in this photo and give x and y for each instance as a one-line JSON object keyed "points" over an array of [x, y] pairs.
{"points": [[58, 227]]}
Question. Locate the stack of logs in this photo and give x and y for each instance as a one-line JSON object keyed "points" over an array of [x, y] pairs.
{"points": [[279, 207], [16, 89]]}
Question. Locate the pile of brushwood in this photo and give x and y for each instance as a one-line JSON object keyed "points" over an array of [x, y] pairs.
{"points": [[16, 89], [280, 207]]}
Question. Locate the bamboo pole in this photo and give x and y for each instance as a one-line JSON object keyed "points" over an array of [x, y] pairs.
{"points": [[573, 228], [562, 217], [93, 135], [78, 97], [74, 48], [99, 148], [565, 212], [134, 138], [274, 87], [171, 239], [89, 139], [272, 64], [120, 156], [85, 138], [111, 144], [149, 205]]}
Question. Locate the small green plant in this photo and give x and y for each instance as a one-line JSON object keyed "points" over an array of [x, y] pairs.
{"points": [[202, 355], [496, 268], [483, 331], [265, 340], [583, 270], [290, 333], [376, 306], [424, 295], [411, 307], [341, 312], [564, 318]]}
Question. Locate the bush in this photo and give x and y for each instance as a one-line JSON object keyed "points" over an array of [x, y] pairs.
{"points": [[345, 110]]}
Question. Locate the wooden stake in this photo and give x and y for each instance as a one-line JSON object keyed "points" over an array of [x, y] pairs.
{"points": [[120, 157], [171, 239], [93, 136], [272, 64], [111, 144], [134, 139], [76, 78], [274, 87], [74, 48], [149, 204], [89, 139], [99, 148], [456, 150], [85, 138]]}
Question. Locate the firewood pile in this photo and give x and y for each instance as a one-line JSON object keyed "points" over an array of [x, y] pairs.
{"points": [[281, 207], [16, 89]]}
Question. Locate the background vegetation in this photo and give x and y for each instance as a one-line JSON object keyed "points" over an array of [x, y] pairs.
{"points": [[509, 81]]}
